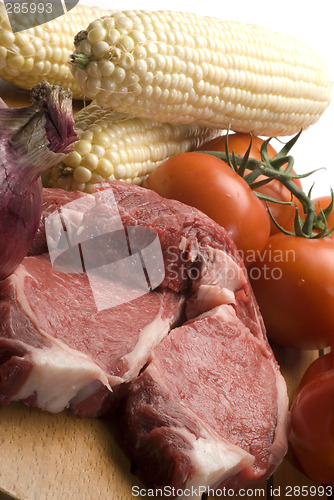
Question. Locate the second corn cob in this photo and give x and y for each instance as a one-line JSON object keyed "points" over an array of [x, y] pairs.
{"points": [[180, 67], [118, 146], [42, 52]]}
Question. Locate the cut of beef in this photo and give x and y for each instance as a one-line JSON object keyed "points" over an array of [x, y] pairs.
{"points": [[209, 410], [199, 255], [77, 326], [57, 350]]}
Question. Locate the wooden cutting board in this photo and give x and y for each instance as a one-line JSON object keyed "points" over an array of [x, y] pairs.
{"points": [[58, 457]]}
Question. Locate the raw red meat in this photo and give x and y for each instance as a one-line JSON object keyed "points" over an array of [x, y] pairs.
{"points": [[209, 410], [57, 350], [210, 406], [200, 258]]}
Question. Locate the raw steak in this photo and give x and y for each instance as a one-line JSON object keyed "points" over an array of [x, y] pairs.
{"points": [[209, 407], [57, 350], [209, 410], [199, 257]]}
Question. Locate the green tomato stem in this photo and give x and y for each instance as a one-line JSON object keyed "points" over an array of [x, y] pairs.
{"points": [[272, 168]]}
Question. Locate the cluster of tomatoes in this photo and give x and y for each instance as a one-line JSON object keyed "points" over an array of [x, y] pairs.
{"points": [[292, 276]]}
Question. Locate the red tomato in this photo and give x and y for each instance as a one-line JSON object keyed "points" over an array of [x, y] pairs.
{"points": [[209, 184], [312, 421], [239, 143], [293, 281]]}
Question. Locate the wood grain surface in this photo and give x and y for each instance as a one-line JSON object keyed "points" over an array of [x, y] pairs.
{"points": [[61, 457]]}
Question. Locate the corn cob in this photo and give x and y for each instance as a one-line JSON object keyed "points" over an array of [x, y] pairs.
{"points": [[118, 146], [42, 53], [179, 67]]}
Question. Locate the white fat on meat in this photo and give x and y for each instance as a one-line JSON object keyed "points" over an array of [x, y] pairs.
{"points": [[220, 269], [220, 278], [150, 336], [214, 459], [210, 296], [58, 375]]}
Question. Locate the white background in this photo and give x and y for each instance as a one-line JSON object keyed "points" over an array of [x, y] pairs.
{"points": [[312, 22]]}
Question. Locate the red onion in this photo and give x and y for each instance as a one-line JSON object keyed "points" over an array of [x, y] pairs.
{"points": [[32, 140]]}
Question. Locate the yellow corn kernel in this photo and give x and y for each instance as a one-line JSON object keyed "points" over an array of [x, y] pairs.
{"points": [[118, 146], [43, 52], [184, 68]]}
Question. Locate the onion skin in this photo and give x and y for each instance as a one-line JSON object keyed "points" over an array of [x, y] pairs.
{"points": [[32, 140], [17, 232]]}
